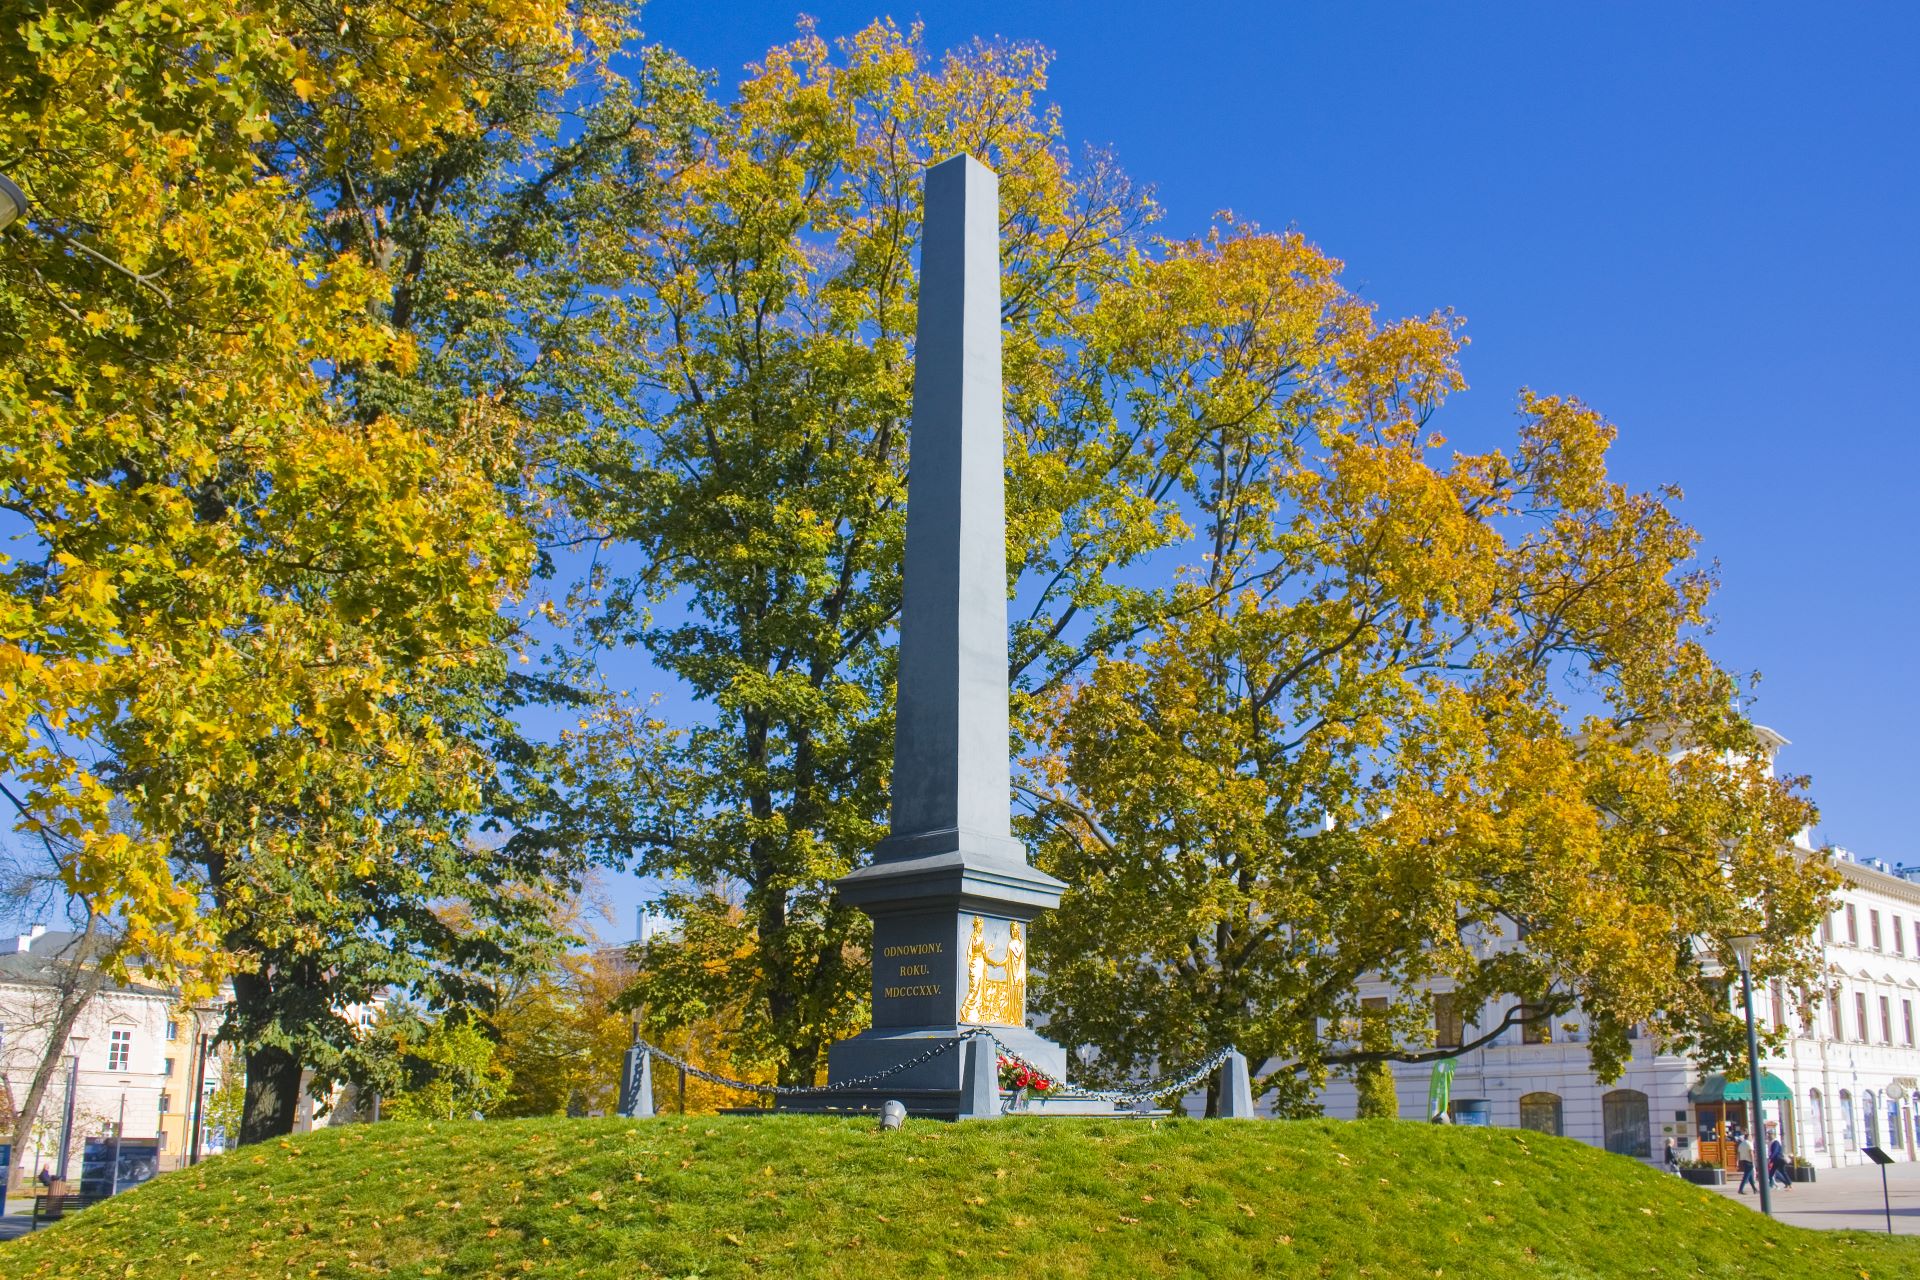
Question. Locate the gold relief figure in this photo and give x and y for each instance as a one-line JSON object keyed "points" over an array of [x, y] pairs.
{"points": [[1000, 1001], [976, 1007], [1015, 1005]]}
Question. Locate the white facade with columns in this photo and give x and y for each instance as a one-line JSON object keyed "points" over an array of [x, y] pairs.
{"points": [[1852, 1062]]}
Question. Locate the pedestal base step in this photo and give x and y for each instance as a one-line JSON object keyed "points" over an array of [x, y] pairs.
{"points": [[943, 1104]]}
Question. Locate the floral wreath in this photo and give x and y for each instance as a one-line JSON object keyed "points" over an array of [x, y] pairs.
{"points": [[1018, 1077]]}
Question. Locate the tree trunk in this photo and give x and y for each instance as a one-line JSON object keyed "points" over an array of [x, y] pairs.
{"points": [[273, 1094], [79, 984]]}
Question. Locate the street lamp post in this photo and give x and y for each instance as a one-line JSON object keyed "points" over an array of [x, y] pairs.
{"points": [[199, 1094], [66, 1122], [119, 1128], [13, 201], [1743, 954]]}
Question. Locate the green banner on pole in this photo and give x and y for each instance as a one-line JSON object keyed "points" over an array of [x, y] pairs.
{"points": [[1440, 1087]]}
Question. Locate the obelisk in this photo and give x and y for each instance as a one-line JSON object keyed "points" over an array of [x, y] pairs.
{"points": [[950, 890]]}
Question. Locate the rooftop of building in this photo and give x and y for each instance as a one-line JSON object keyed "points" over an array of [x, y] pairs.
{"points": [[38, 956]]}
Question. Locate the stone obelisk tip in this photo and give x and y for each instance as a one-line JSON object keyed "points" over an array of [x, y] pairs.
{"points": [[950, 768], [950, 891]]}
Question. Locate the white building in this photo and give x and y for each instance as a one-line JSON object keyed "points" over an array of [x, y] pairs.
{"points": [[131, 1058], [1848, 1077]]}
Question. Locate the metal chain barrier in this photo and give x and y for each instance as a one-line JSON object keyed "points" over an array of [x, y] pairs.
{"points": [[1127, 1097], [858, 1082]]}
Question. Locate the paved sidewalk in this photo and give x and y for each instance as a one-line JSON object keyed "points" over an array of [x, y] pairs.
{"points": [[1846, 1199]]}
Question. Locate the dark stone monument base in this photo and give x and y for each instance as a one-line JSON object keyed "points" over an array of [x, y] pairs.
{"points": [[1048, 1107], [961, 871], [940, 1105], [938, 1089]]}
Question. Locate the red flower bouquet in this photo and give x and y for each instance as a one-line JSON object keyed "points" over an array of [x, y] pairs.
{"points": [[1021, 1080]]}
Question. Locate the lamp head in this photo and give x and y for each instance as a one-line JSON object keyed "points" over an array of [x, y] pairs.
{"points": [[892, 1116], [1743, 945], [13, 201]]}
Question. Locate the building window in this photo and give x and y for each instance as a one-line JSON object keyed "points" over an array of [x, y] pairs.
{"points": [[168, 1070], [1370, 1028], [1860, 1019], [173, 1030], [1894, 1126], [1853, 926], [1826, 928], [119, 1049], [166, 1102], [1623, 1112], [1449, 1029], [1779, 1000], [1899, 937], [1906, 1017], [1846, 1120], [1817, 1112], [1886, 1020], [1540, 1112], [1833, 1009], [1871, 1115], [1873, 929]]}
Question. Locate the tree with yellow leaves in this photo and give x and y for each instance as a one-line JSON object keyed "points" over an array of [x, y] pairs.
{"points": [[561, 1033], [270, 518], [1403, 705]]}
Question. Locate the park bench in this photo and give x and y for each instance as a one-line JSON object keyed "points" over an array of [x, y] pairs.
{"points": [[51, 1208]]}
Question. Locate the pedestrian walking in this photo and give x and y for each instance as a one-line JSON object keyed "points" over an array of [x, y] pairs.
{"points": [[1673, 1158], [1777, 1164], [1743, 1151]]}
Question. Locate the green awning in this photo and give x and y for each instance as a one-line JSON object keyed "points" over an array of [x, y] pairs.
{"points": [[1717, 1088]]}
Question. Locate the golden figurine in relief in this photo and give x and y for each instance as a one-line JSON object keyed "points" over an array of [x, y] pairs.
{"points": [[1001, 1001], [1016, 991]]}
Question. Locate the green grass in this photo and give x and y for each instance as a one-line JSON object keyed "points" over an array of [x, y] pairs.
{"points": [[791, 1196]]}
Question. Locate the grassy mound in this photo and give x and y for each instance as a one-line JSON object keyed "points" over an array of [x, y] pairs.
{"points": [[797, 1196]]}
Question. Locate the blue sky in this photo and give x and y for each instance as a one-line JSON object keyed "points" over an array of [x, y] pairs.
{"points": [[1698, 218]]}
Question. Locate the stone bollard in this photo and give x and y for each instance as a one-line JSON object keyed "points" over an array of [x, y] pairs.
{"points": [[1236, 1088], [979, 1081], [636, 1084]]}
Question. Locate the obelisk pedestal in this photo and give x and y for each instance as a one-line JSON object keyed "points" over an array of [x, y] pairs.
{"points": [[950, 890]]}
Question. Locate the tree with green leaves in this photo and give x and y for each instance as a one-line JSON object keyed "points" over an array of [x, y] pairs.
{"points": [[434, 1068], [759, 476]]}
